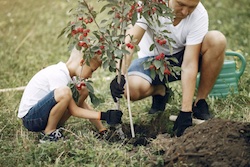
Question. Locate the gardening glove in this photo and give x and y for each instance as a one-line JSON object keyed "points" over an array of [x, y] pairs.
{"points": [[112, 116], [183, 121], [117, 89]]}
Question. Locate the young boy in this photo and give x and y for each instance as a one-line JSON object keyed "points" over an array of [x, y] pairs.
{"points": [[47, 101]]}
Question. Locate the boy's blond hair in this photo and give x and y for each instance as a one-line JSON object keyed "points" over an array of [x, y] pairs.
{"points": [[77, 55]]}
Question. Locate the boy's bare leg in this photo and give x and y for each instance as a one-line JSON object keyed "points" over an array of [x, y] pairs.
{"points": [[62, 96], [64, 118]]}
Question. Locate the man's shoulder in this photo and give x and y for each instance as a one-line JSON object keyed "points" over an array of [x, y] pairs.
{"points": [[198, 15], [200, 9]]}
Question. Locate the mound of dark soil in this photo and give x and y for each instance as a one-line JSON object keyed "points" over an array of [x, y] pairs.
{"points": [[215, 143]]}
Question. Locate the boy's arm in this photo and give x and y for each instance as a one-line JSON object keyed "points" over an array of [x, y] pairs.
{"points": [[111, 116], [97, 123]]}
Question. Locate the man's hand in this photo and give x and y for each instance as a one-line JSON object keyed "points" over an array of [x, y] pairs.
{"points": [[183, 121], [117, 89], [112, 116]]}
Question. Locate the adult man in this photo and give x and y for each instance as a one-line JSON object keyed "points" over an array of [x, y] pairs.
{"points": [[195, 48]]}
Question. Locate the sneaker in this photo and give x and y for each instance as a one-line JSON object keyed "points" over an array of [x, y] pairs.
{"points": [[159, 102], [53, 136], [200, 111]]}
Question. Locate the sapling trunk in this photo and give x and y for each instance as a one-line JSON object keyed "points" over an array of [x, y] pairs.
{"points": [[119, 127]]}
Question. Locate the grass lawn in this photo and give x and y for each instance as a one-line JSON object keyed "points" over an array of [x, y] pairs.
{"points": [[28, 42]]}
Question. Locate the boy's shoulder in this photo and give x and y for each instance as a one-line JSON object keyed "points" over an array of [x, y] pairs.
{"points": [[53, 69], [59, 65]]}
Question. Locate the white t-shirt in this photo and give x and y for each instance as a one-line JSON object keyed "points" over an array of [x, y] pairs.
{"points": [[189, 31], [43, 83]]}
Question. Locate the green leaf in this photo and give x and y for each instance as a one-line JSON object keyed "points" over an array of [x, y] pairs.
{"points": [[89, 86], [118, 53], [103, 21], [102, 30], [152, 73], [105, 64], [94, 99], [134, 18], [62, 32], [110, 12], [115, 38], [75, 93], [174, 59], [125, 51], [95, 48], [157, 64], [162, 68], [152, 47], [161, 76], [106, 6], [146, 64]]}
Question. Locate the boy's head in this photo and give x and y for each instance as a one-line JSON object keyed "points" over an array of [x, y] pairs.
{"points": [[79, 67]]}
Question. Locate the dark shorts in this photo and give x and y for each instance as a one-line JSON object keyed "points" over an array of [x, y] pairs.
{"points": [[136, 68], [37, 117]]}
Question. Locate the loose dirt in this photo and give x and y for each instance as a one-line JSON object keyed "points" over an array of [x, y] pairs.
{"points": [[214, 143]]}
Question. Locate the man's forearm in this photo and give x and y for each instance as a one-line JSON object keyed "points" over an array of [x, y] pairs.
{"points": [[188, 81], [127, 61]]}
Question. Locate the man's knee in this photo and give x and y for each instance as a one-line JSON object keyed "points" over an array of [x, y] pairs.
{"points": [[138, 92], [215, 38], [133, 94]]}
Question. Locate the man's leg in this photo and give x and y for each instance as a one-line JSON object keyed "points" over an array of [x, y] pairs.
{"points": [[141, 85], [140, 88], [213, 51]]}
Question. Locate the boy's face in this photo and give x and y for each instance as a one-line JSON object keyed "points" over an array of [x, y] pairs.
{"points": [[88, 70], [183, 8]]}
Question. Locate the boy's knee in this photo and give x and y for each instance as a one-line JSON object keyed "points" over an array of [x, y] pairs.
{"points": [[63, 93]]}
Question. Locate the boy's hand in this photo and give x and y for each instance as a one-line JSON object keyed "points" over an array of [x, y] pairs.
{"points": [[183, 121], [117, 89], [112, 116], [80, 85]]}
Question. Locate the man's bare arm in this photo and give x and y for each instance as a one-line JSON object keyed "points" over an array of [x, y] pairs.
{"points": [[189, 74]]}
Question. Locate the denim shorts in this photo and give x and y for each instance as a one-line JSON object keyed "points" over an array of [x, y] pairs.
{"points": [[136, 68], [37, 118]]}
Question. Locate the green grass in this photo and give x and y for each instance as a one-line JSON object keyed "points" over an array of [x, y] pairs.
{"points": [[28, 42]]}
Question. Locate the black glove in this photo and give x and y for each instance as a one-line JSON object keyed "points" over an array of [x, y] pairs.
{"points": [[112, 116], [117, 89], [183, 121]]}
